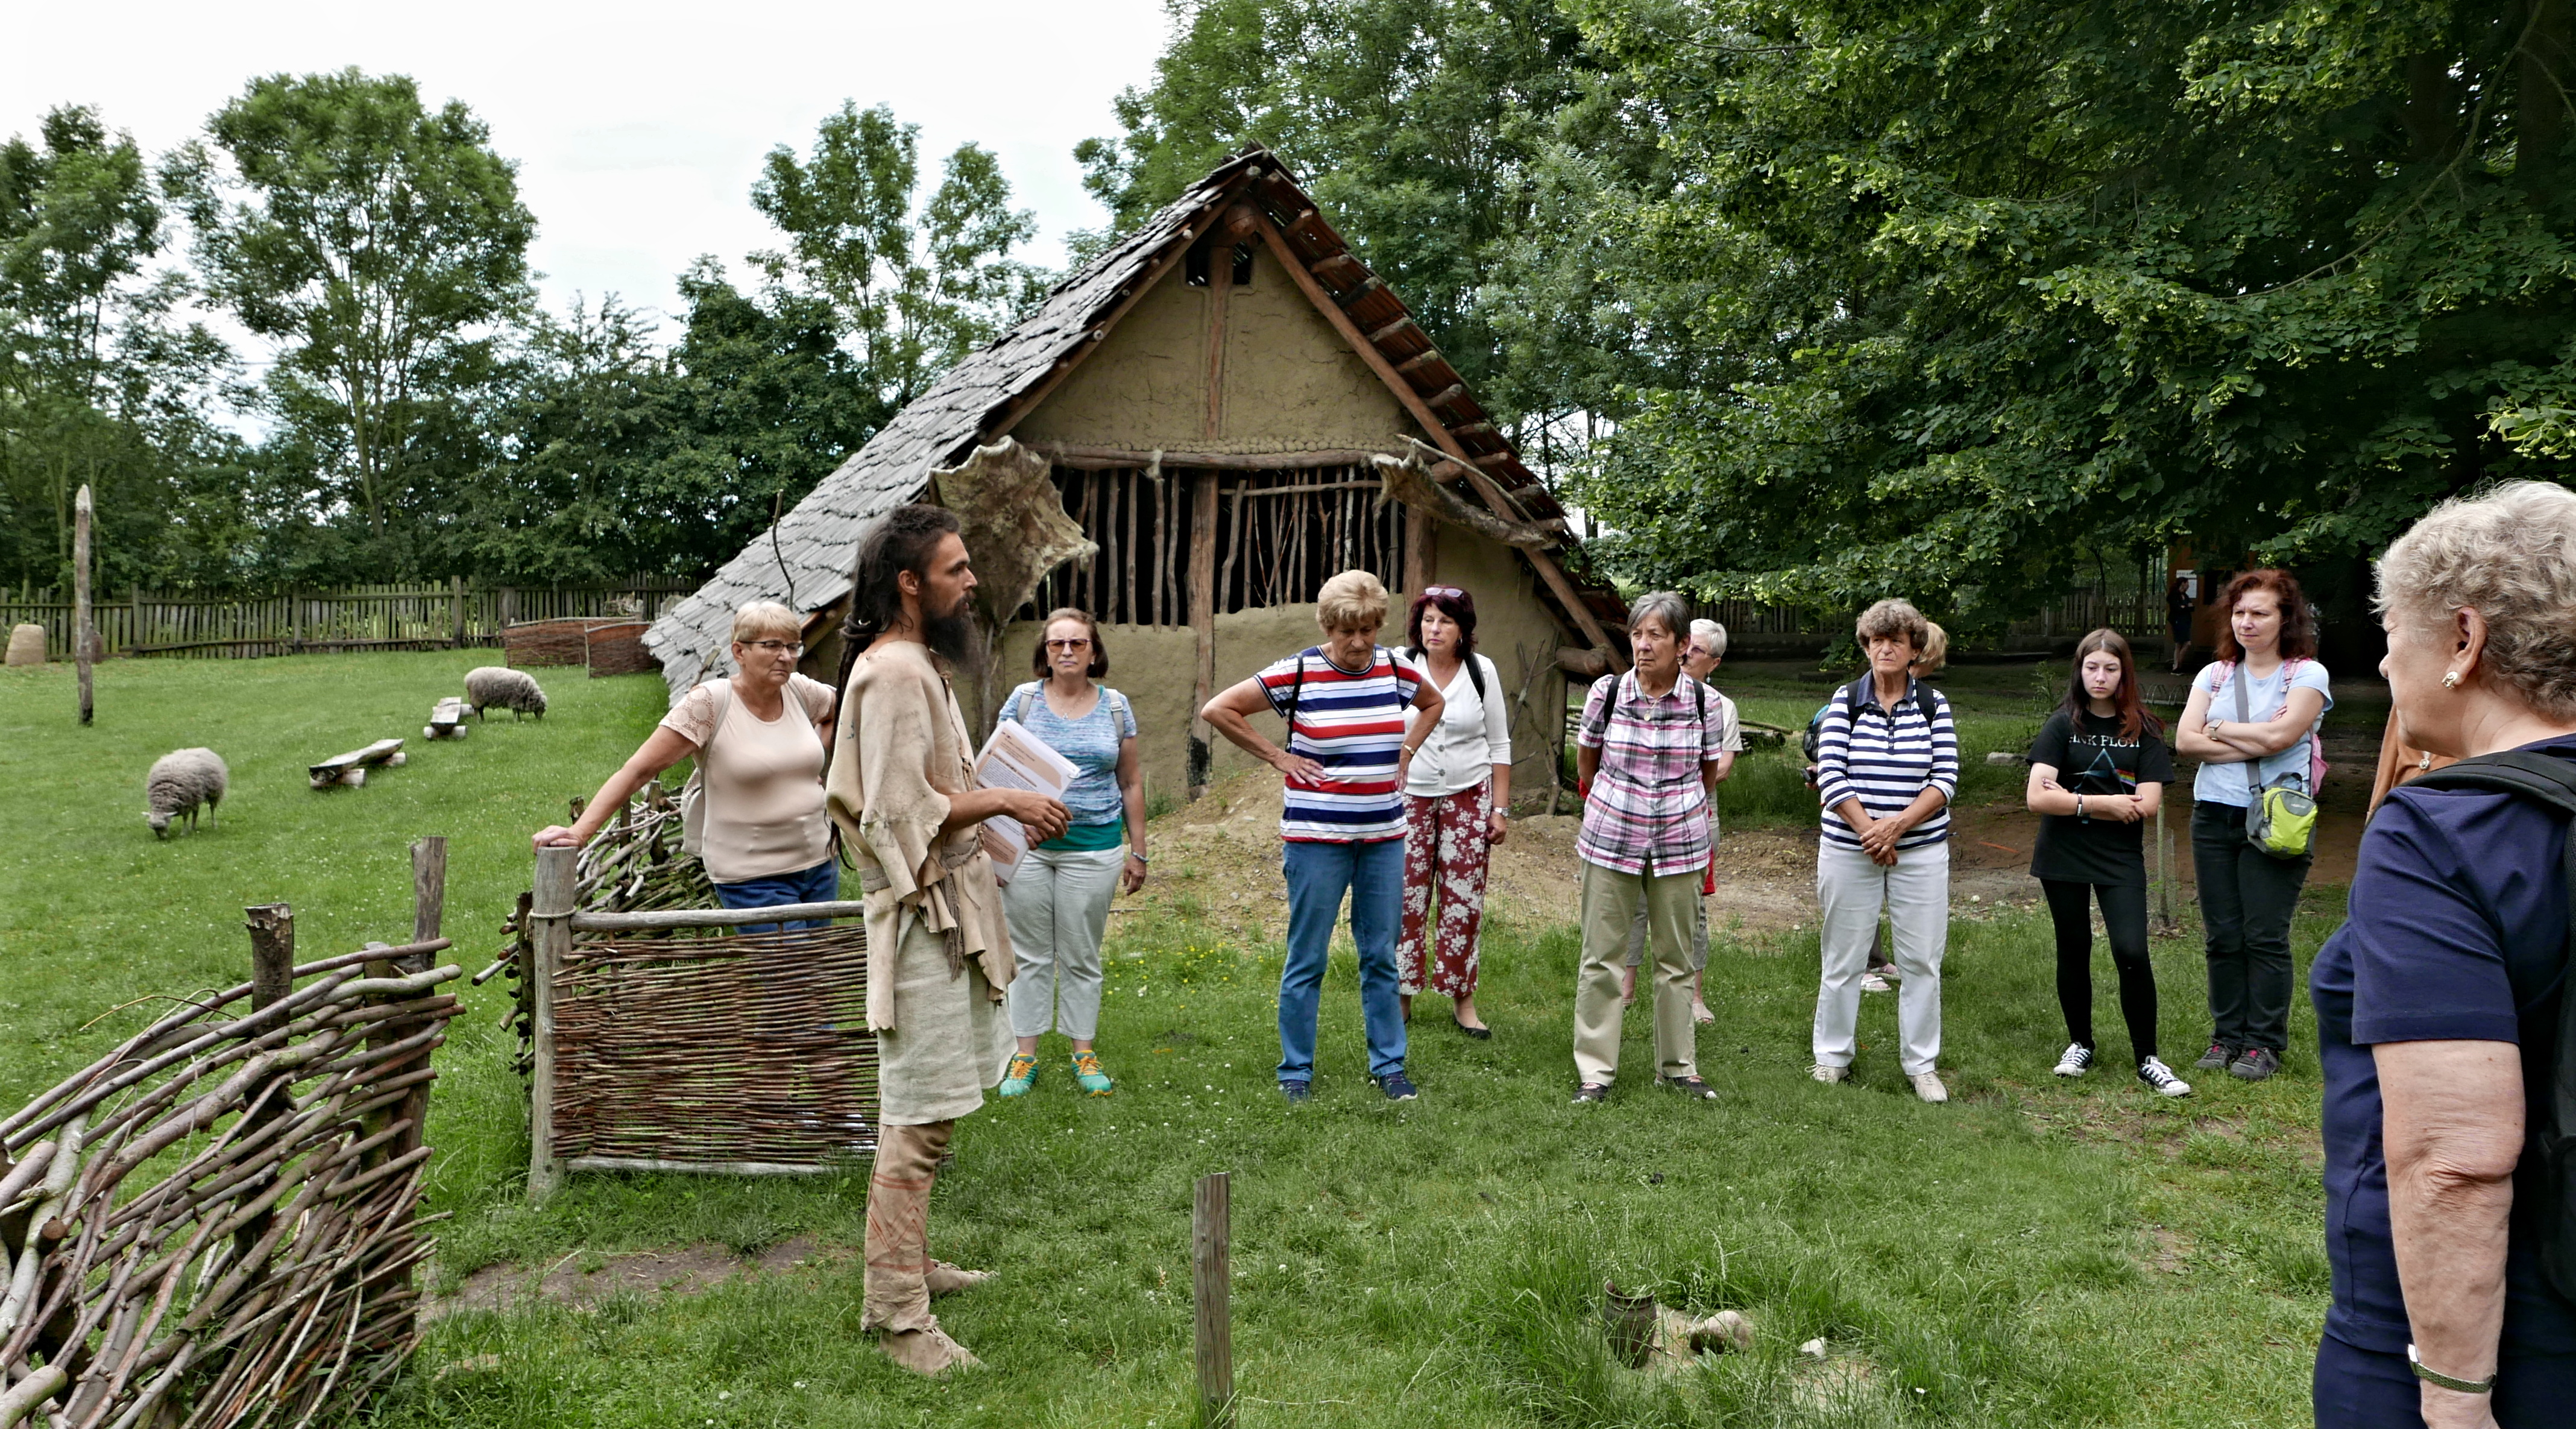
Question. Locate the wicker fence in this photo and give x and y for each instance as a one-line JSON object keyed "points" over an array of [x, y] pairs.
{"points": [[384, 617], [658, 1039], [216, 1224]]}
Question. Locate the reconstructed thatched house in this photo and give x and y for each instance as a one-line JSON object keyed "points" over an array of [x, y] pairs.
{"points": [[1221, 397]]}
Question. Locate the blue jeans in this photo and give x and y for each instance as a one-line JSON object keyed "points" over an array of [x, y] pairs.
{"points": [[1318, 874], [819, 884]]}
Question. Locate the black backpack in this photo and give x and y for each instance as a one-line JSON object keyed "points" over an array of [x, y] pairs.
{"points": [[2548, 780]]}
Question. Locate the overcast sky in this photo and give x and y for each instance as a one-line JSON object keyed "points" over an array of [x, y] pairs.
{"points": [[639, 127]]}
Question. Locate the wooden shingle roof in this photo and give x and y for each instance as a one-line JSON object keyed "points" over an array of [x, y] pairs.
{"points": [[806, 560]]}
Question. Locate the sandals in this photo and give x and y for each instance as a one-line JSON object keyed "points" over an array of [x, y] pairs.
{"points": [[1696, 1088]]}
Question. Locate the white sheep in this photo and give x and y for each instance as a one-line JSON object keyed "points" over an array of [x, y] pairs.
{"points": [[490, 687], [180, 781]]}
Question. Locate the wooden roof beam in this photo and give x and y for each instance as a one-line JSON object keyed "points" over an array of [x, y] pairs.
{"points": [[1380, 336], [1417, 361], [1549, 572]]}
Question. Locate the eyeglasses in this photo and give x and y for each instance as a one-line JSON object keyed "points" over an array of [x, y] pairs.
{"points": [[776, 647], [1076, 643], [1445, 592]]}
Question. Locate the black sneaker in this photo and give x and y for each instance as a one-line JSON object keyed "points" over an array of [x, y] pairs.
{"points": [[1297, 1091], [1591, 1093], [2216, 1058], [1696, 1088], [1397, 1086], [2254, 1064]]}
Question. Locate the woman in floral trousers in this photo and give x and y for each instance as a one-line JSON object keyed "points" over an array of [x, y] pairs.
{"points": [[1457, 797]]}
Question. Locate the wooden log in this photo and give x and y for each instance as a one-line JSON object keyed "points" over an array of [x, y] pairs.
{"points": [[1203, 523], [1583, 664], [39, 1386], [1211, 1284], [550, 912], [351, 768], [583, 922], [82, 637], [710, 1168]]}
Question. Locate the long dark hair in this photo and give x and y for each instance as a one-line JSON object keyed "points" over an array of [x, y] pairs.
{"points": [[1453, 602], [2298, 623], [900, 541], [2133, 713]]}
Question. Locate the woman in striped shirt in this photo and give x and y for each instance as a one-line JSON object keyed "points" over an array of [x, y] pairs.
{"points": [[1887, 763], [1341, 815]]}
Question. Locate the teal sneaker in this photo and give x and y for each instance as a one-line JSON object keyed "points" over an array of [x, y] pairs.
{"points": [[1087, 1074], [1019, 1076]]}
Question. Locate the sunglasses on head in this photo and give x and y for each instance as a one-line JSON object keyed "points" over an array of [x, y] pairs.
{"points": [[1445, 592]]}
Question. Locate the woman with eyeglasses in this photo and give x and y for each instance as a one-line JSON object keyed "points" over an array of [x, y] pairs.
{"points": [[1057, 902], [1457, 802], [761, 739]]}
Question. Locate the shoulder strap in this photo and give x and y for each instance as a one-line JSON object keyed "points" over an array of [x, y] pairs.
{"points": [[2237, 682], [1295, 691], [1476, 673], [2543, 777], [1020, 701]]}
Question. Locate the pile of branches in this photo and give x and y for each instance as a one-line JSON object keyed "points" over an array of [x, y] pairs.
{"points": [[216, 1223]]}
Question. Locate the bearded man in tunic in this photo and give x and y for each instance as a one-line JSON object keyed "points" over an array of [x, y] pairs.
{"points": [[939, 955]]}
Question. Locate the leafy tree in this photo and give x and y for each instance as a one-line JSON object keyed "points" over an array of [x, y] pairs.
{"points": [[1989, 283], [914, 284], [384, 246], [98, 384]]}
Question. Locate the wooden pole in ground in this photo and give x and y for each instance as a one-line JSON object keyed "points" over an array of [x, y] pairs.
{"points": [[272, 977], [428, 910], [1211, 1289], [550, 911], [82, 638]]}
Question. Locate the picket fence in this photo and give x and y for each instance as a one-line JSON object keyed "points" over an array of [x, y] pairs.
{"points": [[371, 617]]}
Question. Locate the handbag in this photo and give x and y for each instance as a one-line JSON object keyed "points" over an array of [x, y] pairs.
{"points": [[693, 795], [2282, 819]]}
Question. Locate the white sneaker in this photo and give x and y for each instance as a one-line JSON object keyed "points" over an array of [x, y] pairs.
{"points": [[2075, 1061], [1927, 1085], [2161, 1080], [1829, 1075]]}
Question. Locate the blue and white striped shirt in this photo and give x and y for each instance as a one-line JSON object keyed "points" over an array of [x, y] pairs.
{"points": [[1884, 758]]}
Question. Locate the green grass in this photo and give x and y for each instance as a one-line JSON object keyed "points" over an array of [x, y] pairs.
{"points": [[2032, 1254]]}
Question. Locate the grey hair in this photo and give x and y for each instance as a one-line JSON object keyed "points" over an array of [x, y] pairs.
{"points": [[1711, 634], [1668, 606], [1892, 620], [2510, 555]]}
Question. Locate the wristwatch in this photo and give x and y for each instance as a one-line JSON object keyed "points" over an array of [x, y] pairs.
{"points": [[2434, 1376]]}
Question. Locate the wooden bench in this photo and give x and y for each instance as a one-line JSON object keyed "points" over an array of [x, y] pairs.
{"points": [[446, 719], [351, 768]]}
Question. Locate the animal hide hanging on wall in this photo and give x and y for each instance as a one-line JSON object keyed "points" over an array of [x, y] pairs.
{"points": [[1016, 531], [1408, 479]]}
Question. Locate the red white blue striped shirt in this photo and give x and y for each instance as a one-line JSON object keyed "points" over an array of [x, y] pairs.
{"points": [[1353, 725]]}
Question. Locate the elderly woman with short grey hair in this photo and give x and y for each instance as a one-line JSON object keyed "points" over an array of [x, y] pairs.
{"points": [[2439, 1023], [1649, 752], [1887, 764]]}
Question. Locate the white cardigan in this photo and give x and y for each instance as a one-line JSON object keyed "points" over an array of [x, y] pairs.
{"points": [[1474, 735]]}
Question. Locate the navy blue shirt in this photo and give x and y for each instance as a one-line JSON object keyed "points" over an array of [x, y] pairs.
{"points": [[2458, 932]]}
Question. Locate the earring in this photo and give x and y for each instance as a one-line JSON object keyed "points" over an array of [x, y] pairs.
{"points": [[2451, 680]]}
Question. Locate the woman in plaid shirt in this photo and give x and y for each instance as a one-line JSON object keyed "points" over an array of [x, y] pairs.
{"points": [[1650, 749]]}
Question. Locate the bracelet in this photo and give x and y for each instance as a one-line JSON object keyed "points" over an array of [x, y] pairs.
{"points": [[2079, 809], [1140, 858], [2434, 1376]]}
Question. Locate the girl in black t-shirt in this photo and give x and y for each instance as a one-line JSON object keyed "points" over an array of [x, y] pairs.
{"points": [[2097, 772]]}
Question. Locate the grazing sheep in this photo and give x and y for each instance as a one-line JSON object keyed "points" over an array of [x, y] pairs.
{"points": [[179, 782], [491, 687]]}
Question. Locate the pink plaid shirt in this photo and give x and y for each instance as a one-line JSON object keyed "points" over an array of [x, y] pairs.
{"points": [[1648, 810]]}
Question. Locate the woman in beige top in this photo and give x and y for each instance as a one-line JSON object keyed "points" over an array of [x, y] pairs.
{"points": [[761, 740]]}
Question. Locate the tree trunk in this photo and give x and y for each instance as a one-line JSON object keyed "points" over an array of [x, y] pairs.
{"points": [[2547, 95]]}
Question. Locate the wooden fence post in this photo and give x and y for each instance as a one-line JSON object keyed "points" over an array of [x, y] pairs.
{"points": [[1211, 1290], [272, 977], [81, 638], [1202, 592], [551, 914], [428, 910]]}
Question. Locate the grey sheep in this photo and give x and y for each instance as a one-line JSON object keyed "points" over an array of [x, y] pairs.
{"points": [[491, 687], [180, 781]]}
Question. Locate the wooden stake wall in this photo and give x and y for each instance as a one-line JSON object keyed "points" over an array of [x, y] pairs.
{"points": [[1278, 535]]}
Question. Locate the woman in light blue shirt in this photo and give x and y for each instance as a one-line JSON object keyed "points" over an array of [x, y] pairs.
{"points": [[2252, 722], [1057, 902]]}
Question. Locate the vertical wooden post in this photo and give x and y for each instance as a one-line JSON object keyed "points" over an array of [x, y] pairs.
{"points": [[1420, 559], [82, 639], [272, 977], [1211, 1291], [551, 912], [456, 609], [1203, 519], [428, 911], [2164, 874]]}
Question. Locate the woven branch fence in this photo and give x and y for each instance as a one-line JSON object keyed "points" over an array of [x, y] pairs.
{"points": [[216, 1224], [660, 1039]]}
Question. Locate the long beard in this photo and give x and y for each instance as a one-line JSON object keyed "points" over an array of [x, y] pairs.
{"points": [[952, 636]]}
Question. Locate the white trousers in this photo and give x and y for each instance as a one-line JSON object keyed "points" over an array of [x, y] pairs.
{"points": [[1916, 894], [1057, 906]]}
